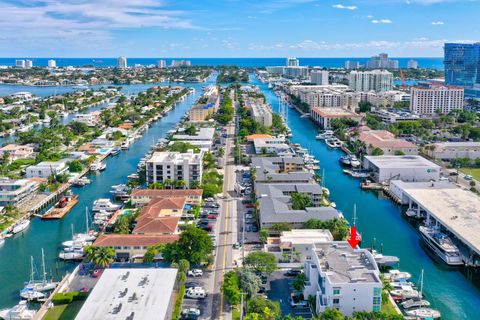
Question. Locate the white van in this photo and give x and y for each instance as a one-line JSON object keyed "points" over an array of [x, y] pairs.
{"points": [[195, 293]]}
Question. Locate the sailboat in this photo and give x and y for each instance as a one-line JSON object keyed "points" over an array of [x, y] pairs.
{"points": [[89, 235], [42, 285], [421, 312], [29, 293], [18, 312]]}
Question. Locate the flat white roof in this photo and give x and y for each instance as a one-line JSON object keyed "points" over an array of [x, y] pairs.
{"points": [[131, 294], [306, 236], [455, 208], [384, 162]]}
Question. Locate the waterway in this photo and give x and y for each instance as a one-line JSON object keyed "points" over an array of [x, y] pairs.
{"points": [[455, 293], [16, 252]]}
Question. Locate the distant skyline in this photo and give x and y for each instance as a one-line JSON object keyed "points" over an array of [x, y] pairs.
{"points": [[234, 28]]}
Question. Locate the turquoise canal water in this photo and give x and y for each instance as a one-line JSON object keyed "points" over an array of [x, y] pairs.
{"points": [[16, 252], [455, 293]]}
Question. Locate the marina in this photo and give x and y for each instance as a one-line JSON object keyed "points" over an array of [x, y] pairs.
{"points": [[49, 234], [452, 292]]}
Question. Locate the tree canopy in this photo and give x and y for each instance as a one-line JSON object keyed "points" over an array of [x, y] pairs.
{"points": [[194, 245]]}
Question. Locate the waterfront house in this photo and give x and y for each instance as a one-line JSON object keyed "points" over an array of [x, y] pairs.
{"points": [[16, 151], [46, 169], [286, 169], [324, 116], [385, 141], [90, 119], [274, 145], [12, 192], [141, 197], [343, 278]]}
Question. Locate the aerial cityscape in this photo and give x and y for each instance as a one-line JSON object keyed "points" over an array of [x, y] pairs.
{"points": [[239, 160]]}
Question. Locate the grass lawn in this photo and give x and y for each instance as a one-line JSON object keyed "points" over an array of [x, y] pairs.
{"points": [[235, 312], [388, 308], [64, 311], [474, 172]]}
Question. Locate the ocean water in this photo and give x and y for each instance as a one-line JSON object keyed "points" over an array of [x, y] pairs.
{"points": [[431, 63]]}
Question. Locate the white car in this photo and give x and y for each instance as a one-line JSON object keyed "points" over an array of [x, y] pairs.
{"points": [[468, 177], [195, 273], [196, 293]]}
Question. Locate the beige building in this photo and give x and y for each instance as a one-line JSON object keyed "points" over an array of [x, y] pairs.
{"points": [[324, 116], [429, 100], [206, 106], [453, 150], [141, 197], [386, 141]]}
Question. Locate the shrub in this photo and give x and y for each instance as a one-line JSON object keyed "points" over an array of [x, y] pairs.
{"points": [[178, 303]]}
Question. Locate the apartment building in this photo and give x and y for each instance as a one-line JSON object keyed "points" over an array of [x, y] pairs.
{"points": [[436, 98], [14, 191], [319, 77], [259, 111], [343, 278], [164, 166], [386, 141], [141, 197], [454, 150], [46, 169], [376, 80], [206, 106], [324, 116], [328, 96]]}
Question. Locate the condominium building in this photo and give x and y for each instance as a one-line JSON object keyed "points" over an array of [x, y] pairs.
{"points": [[46, 169], [381, 62], [177, 166], [352, 65], [330, 96], [324, 116], [319, 77], [412, 64], [20, 64], [436, 98], [206, 106], [343, 278], [376, 80], [462, 64], [162, 63], [181, 63], [260, 112], [292, 62], [453, 150], [28, 64], [276, 70], [52, 63], [14, 191], [295, 72], [122, 62]]}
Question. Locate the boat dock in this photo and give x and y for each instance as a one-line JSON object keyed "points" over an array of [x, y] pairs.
{"points": [[58, 213]]}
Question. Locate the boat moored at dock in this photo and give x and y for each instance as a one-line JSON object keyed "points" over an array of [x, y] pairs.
{"points": [[441, 245]]}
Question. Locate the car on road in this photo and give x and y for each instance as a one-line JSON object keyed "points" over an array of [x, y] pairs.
{"points": [[236, 245], [212, 217], [249, 216], [468, 177], [196, 293], [453, 173], [293, 272], [195, 273], [97, 273], [190, 313]]}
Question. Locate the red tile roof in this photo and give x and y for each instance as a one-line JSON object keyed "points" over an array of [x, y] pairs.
{"points": [[258, 136], [156, 205], [154, 225], [167, 193], [115, 240], [383, 139]]}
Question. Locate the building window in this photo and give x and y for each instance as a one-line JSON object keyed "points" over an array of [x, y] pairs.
{"points": [[336, 291], [336, 301], [377, 292]]}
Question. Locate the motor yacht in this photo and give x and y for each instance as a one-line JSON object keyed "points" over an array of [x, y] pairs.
{"points": [[442, 245], [104, 204]]}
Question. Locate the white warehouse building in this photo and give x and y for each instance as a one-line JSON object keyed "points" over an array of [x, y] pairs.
{"points": [[409, 168]]}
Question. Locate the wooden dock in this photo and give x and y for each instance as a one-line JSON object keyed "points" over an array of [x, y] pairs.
{"points": [[58, 213]]}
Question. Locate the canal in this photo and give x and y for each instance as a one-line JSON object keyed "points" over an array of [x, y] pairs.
{"points": [[15, 253], [454, 292]]}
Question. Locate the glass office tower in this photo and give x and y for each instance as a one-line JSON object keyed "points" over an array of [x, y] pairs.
{"points": [[462, 64]]}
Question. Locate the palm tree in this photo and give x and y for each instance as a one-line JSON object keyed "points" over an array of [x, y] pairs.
{"points": [[89, 252], [299, 282], [168, 183], [182, 183], [103, 256]]}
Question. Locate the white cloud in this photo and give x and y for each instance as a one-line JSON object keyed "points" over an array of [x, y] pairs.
{"points": [[341, 6], [382, 21], [437, 23]]}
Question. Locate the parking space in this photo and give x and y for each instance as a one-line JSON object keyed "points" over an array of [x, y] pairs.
{"points": [[280, 289]]}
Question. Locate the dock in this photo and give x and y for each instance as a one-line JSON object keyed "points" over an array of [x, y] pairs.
{"points": [[58, 213]]}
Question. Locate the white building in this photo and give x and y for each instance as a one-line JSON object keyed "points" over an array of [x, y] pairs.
{"points": [[343, 278], [429, 100], [329, 96], [28, 64], [175, 166], [319, 77], [134, 294], [20, 64], [90, 119], [272, 145], [454, 150], [405, 168], [261, 113], [276, 70], [352, 65], [14, 191], [381, 62], [122, 62], [181, 63], [292, 62], [412, 64], [376, 80], [295, 72], [52, 63], [162, 63], [46, 169]]}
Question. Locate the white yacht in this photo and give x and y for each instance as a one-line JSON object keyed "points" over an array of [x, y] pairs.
{"points": [[21, 226], [75, 255], [397, 275], [354, 162], [424, 313], [18, 312], [415, 303], [406, 292], [98, 166], [442, 245], [104, 204], [31, 294]]}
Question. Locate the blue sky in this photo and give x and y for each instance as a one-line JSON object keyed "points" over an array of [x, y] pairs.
{"points": [[234, 28]]}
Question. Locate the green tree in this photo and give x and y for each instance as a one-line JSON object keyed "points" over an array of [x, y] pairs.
{"points": [[331, 314], [266, 309], [194, 245], [377, 152], [100, 256], [300, 201], [249, 282], [259, 261], [264, 235], [299, 282], [231, 287], [75, 166], [152, 251]]}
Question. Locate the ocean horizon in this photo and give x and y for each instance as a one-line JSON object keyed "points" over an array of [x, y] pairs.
{"points": [[423, 62]]}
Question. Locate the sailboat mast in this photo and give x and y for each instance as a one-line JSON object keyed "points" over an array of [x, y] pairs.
{"points": [[32, 273], [421, 283], [43, 268], [86, 218], [354, 214]]}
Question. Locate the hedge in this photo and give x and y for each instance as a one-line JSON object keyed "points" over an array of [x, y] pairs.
{"points": [[68, 297], [178, 303]]}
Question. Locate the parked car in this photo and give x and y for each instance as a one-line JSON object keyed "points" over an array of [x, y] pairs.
{"points": [[97, 273], [195, 273], [212, 217], [236, 245], [196, 293], [190, 313], [249, 216], [468, 177], [296, 302], [293, 272]]}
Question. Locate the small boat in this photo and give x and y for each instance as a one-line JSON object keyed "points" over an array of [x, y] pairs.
{"points": [[63, 114], [442, 245], [133, 176], [405, 292], [31, 295], [384, 261], [104, 204], [396, 275], [18, 312], [411, 213], [115, 151], [75, 255], [415, 303], [345, 160], [82, 182], [21, 226], [330, 143], [424, 313], [98, 166], [354, 162]]}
